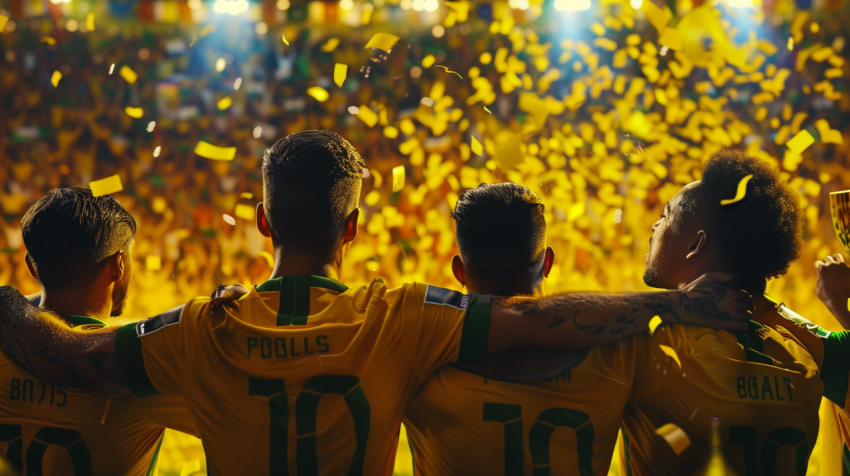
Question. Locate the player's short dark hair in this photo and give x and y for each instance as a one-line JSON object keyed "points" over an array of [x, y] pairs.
{"points": [[500, 225], [762, 234], [69, 233], [311, 183]]}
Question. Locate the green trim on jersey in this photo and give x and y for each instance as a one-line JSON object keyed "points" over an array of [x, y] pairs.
{"points": [[475, 335], [152, 467], [626, 444], [845, 461], [128, 353], [835, 370], [753, 345], [295, 296], [78, 321]]}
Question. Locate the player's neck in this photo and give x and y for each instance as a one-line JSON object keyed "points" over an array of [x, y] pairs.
{"points": [[296, 264], [74, 302]]}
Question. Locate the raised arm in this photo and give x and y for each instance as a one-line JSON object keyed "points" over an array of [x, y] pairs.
{"points": [[833, 287], [581, 321]]}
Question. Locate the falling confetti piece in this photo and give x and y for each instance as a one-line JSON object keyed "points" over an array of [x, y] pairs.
{"points": [[740, 194], [427, 101], [428, 61], [48, 39], [229, 219], [398, 178], [237, 84], [54, 80], [111, 68], [449, 71], [488, 111], [330, 45], [675, 436], [285, 41], [269, 258], [151, 126], [212, 152], [655, 15], [3, 20], [340, 72], [671, 353], [576, 210], [800, 142], [134, 112], [157, 151], [476, 146], [128, 74], [153, 262], [827, 135], [671, 38], [318, 93], [106, 186], [224, 103], [90, 21], [366, 115], [245, 212], [247, 195], [653, 324], [192, 466], [382, 41], [206, 30], [220, 64]]}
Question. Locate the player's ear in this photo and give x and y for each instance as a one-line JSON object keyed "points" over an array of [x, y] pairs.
{"points": [[697, 245], [119, 266], [262, 221], [457, 270], [350, 232], [31, 266], [548, 261]]}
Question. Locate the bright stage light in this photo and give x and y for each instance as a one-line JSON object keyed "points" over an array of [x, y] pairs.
{"points": [[232, 7], [572, 5], [346, 4], [741, 3], [636, 4]]}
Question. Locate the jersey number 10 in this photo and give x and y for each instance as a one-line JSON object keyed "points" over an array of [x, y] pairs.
{"points": [[539, 437], [306, 409]]}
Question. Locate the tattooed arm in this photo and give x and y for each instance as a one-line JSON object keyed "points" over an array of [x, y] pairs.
{"points": [[580, 321]]}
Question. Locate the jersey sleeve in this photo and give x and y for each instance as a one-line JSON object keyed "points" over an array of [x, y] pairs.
{"points": [[835, 371], [155, 355], [443, 326], [166, 410]]}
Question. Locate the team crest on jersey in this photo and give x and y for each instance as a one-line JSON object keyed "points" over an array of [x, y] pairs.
{"points": [[153, 324], [446, 297], [792, 316]]}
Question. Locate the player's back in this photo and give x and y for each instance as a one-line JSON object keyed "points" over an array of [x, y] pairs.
{"points": [[51, 430], [463, 424], [763, 388], [302, 375]]}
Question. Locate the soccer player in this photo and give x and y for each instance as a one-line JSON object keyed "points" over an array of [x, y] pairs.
{"points": [[762, 391], [460, 423], [304, 375], [79, 248]]}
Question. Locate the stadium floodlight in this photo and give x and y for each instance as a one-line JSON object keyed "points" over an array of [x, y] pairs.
{"points": [[741, 3], [232, 7], [572, 5]]}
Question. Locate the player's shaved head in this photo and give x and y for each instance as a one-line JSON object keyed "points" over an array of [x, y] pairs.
{"points": [[311, 183], [70, 234], [501, 235]]}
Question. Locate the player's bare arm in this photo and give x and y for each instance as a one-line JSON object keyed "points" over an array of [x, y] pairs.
{"points": [[580, 321], [833, 288]]}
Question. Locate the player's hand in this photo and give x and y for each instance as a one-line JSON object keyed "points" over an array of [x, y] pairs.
{"points": [[833, 287], [224, 294], [708, 301]]}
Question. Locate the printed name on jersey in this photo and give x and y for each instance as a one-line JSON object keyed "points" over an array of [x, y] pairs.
{"points": [[446, 297], [153, 324]]}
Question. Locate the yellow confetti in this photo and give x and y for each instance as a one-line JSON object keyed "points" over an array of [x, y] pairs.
{"points": [[671, 353], [655, 15], [488, 111], [675, 436], [741, 193], [398, 178], [206, 30], [330, 45], [90, 21], [54, 80], [576, 210], [476, 146], [340, 73], [135, 112], [382, 41], [285, 41], [653, 324], [800, 142], [224, 103], [229, 219], [367, 115], [269, 258], [449, 71], [318, 93], [671, 38], [428, 61], [128, 74], [390, 132], [190, 467], [48, 39], [106, 186], [247, 195], [827, 135], [153, 262], [245, 212], [209, 151], [3, 20]]}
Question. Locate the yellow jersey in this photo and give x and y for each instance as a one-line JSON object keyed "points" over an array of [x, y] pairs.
{"points": [[52, 430], [303, 375], [763, 387], [463, 424]]}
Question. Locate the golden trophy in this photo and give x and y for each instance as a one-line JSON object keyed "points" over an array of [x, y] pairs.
{"points": [[839, 210]]}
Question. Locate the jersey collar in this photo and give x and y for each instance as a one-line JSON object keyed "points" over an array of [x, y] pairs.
{"points": [[77, 321], [314, 281]]}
